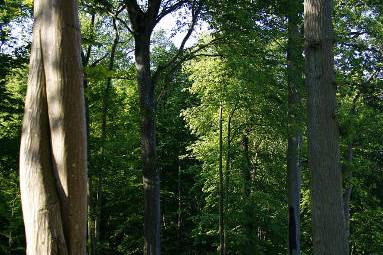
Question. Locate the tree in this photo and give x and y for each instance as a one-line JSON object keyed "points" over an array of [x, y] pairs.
{"points": [[143, 19], [324, 159], [53, 177], [294, 83]]}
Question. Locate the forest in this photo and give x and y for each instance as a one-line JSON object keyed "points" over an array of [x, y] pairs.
{"points": [[192, 127]]}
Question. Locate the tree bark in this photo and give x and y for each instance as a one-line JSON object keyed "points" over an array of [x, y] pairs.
{"points": [[53, 178], [143, 24], [294, 81], [151, 177], [324, 162]]}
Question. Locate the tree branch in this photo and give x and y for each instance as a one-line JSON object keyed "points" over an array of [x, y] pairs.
{"points": [[167, 10], [196, 9]]}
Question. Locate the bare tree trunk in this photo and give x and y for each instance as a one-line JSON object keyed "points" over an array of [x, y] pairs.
{"points": [[151, 176], [143, 24], [324, 160], [294, 80], [53, 178]]}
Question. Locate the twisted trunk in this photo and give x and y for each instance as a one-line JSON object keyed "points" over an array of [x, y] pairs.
{"points": [[53, 178]]}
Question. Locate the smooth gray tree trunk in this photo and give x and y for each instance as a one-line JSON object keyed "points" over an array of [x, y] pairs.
{"points": [[324, 160], [53, 177]]}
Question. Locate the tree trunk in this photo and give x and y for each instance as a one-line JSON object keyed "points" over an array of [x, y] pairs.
{"points": [[222, 247], [151, 178], [294, 80], [326, 180], [227, 174], [249, 226], [179, 209], [90, 224], [347, 174], [53, 179], [348, 189]]}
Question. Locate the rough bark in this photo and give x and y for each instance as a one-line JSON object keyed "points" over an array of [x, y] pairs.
{"points": [[151, 178], [53, 178], [324, 162], [143, 24], [294, 81]]}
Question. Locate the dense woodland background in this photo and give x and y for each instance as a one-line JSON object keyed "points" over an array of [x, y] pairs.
{"points": [[239, 66]]}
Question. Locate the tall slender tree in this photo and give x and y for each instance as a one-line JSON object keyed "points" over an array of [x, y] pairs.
{"points": [[143, 19], [294, 82], [53, 176], [222, 247], [143, 23], [326, 180]]}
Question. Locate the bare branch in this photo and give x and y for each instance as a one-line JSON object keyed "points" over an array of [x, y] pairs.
{"points": [[97, 61], [167, 10], [196, 9]]}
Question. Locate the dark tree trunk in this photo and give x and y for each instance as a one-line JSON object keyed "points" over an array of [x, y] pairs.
{"points": [[151, 178], [326, 180], [294, 80], [143, 24]]}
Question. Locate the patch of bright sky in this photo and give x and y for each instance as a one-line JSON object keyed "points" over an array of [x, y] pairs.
{"points": [[20, 34], [176, 25]]}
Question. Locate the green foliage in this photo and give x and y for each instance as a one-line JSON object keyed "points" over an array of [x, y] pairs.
{"points": [[244, 71]]}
